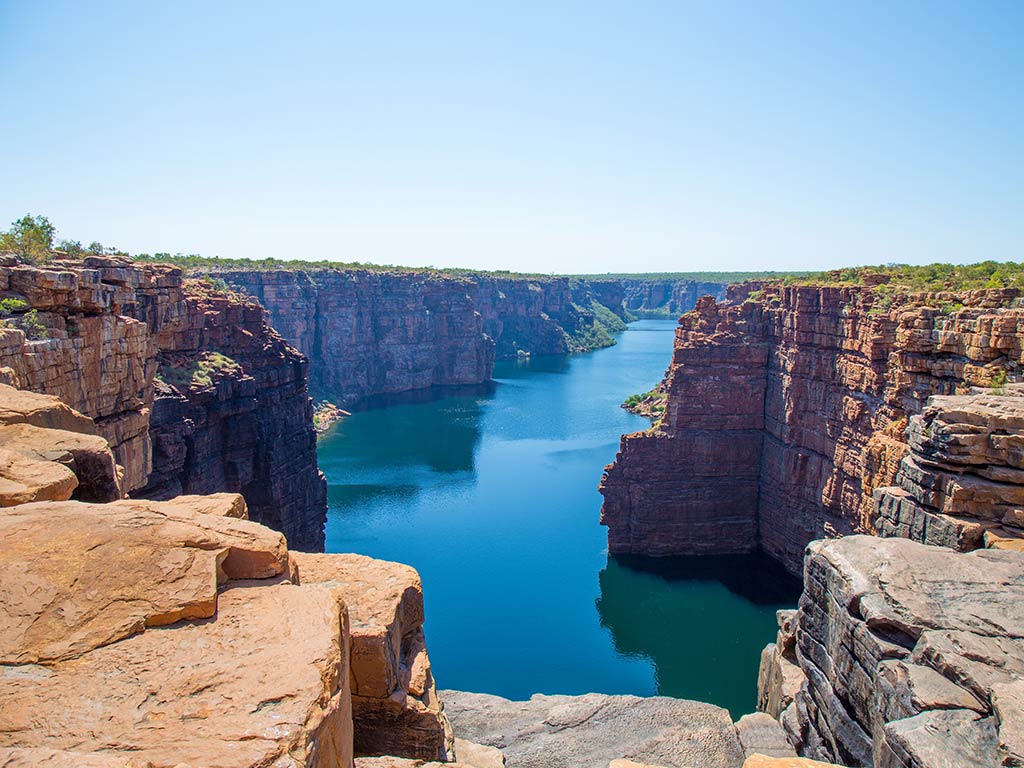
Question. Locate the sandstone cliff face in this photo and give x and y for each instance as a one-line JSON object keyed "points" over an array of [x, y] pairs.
{"points": [[785, 412], [962, 483], [369, 333], [668, 297], [902, 655], [244, 427]]}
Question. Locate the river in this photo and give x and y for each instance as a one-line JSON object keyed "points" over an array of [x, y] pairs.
{"points": [[491, 493]]}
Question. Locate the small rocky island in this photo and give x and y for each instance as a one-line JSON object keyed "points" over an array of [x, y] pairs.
{"points": [[166, 601]]}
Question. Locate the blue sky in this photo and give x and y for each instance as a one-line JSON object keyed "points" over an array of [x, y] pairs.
{"points": [[569, 137]]}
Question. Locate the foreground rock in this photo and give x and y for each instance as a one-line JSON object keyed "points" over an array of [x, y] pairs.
{"points": [[394, 701], [592, 730], [163, 635], [962, 483], [910, 656], [49, 452]]}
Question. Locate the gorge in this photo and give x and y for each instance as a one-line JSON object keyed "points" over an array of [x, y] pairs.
{"points": [[794, 415]]}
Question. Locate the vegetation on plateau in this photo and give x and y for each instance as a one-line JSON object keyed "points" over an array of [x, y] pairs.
{"points": [[928, 277], [14, 313], [198, 373]]}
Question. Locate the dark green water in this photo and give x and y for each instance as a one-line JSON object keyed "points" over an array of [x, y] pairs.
{"points": [[492, 495]]}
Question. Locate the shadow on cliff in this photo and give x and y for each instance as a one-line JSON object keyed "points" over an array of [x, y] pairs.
{"points": [[701, 621]]}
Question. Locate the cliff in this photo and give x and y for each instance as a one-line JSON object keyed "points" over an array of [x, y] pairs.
{"points": [[667, 297], [371, 332], [786, 408], [191, 388]]}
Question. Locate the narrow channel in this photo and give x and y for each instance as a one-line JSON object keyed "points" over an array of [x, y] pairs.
{"points": [[492, 495]]}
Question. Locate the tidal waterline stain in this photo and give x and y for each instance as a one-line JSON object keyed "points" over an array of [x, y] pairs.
{"points": [[492, 495]]}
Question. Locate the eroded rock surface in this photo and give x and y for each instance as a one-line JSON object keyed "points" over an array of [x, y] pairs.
{"points": [[395, 704], [906, 652], [962, 483], [146, 633], [592, 730]]}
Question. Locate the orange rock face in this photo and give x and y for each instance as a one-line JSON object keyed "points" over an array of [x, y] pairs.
{"points": [[395, 705], [785, 412], [157, 634]]}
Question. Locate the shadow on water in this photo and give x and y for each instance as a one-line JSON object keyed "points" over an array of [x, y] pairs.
{"points": [[701, 621]]}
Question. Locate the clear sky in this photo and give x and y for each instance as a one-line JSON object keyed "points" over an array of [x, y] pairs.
{"points": [[546, 136]]}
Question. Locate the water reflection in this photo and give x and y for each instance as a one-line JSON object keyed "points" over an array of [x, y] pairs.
{"points": [[438, 430], [701, 621]]}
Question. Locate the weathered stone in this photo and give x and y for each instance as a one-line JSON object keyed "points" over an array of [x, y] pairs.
{"points": [[903, 648], [592, 730], [395, 704], [765, 761], [760, 733], [1008, 706], [263, 682], [115, 569], [954, 738]]}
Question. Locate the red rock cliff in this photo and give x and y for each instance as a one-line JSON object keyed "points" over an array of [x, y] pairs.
{"points": [[370, 332], [786, 411], [229, 411]]}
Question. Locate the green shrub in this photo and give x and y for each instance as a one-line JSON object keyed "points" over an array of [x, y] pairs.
{"points": [[13, 315]]}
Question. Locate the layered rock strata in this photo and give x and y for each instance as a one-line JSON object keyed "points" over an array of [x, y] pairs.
{"points": [[155, 633], [784, 412], [962, 483], [253, 664], [909, 656], [49, 452], [232, 412], [370, 332]]}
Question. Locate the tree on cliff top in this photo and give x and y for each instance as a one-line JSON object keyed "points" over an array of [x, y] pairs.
{"points": [[30, 237]]}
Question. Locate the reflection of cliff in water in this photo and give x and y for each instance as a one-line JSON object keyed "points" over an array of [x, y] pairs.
{"points": [[436, 430], [693, 617]]}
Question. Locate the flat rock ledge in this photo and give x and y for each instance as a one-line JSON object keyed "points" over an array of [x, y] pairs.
{"points": [[592, 730]]}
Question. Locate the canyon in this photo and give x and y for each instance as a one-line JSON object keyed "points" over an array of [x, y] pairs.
{"points": [[868, 437], [382, 332]]}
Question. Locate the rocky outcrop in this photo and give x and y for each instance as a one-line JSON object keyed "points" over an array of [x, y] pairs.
{"points": [[374, 332], [909, 656], [786, 411], [49, 452], [962, 483], [156, 634], [255, 664], [395, 705], [670, 298], [593, 730], [229, 411]]}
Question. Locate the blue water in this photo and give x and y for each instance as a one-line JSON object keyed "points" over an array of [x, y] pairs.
{"points": [[491, 494]]}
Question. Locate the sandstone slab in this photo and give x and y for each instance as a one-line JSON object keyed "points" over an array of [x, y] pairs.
{"points": [[592, 730]]}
